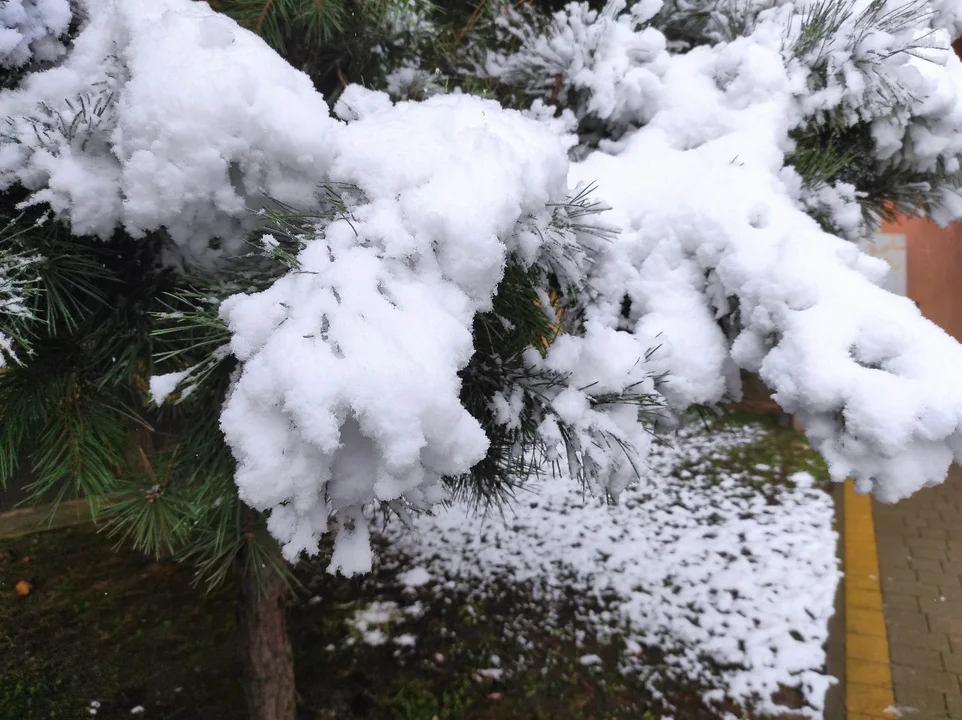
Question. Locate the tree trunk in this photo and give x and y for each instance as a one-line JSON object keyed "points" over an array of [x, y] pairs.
{"points": [[266, 654]]}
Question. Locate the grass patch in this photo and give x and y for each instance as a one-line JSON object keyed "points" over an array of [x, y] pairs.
{"points": [[770, 461]]}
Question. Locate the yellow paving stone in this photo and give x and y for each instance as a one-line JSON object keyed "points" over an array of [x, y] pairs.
{"points": [[868, 699], [862, 598], [865, 622], [866, 672], [866, 647], [866, 582]]}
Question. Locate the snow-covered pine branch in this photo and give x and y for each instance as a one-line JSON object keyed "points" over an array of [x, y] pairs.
{"points": [[713, 229], [128, 132], [348, 393]]}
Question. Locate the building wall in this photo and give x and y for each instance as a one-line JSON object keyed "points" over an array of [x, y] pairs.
{"points": [[934, 270]]}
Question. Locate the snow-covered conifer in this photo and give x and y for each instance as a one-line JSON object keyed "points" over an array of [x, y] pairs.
{"points": [[398, 291]]}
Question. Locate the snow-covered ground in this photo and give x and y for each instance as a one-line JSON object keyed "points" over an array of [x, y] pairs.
{"points": [[735, 584]]}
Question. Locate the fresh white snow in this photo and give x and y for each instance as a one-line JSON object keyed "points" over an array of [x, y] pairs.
{"points": [[405, 640], [415, 577]]}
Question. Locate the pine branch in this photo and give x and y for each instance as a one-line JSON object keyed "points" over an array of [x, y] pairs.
{"points": [[72, 434]]}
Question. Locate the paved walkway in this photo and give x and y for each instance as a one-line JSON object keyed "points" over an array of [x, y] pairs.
{"points": [[919, 543]]}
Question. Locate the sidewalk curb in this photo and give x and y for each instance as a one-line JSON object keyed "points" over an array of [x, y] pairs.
{"points": [[868, 672]]}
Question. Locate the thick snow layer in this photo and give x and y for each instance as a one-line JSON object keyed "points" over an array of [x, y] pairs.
{"points": [[735, 584], [714, 230], [29, 30], [127, 131], [349, 392], [885, 64]]}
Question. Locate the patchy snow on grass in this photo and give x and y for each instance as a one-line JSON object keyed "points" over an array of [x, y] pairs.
{"points": [[487, 675], [733, 578], [373, 622]]}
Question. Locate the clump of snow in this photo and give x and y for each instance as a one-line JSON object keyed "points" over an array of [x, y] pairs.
{"points": [[488, 675], [869, 379], [30, 30], [405, 640], [802, 479], [415, 577], [377, 613], [132, 135], [349, 392], [589, 660], [162, 386], [441, 195], [375, 637], [735, 584]]}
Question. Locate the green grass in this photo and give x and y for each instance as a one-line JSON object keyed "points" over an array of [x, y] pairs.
{"points": [[782, 450]]}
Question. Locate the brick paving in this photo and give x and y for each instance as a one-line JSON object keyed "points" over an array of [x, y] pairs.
{"points": [[920, 565]]}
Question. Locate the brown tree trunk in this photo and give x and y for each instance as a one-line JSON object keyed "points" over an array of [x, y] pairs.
{"points": [[268, 661]]}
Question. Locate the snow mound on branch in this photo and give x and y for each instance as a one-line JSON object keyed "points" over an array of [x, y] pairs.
{"points": [[127, 131], [349, 392], [712, 230], [734, 584], [29, 30]]}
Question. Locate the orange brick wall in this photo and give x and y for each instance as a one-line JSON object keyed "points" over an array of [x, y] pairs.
{"points": [[934, 270]]}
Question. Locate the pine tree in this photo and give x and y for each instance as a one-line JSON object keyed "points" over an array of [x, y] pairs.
{"points": [[137, 305]]}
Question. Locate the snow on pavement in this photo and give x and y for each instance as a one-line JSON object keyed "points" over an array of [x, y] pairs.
{"points": [[733, 578]]}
